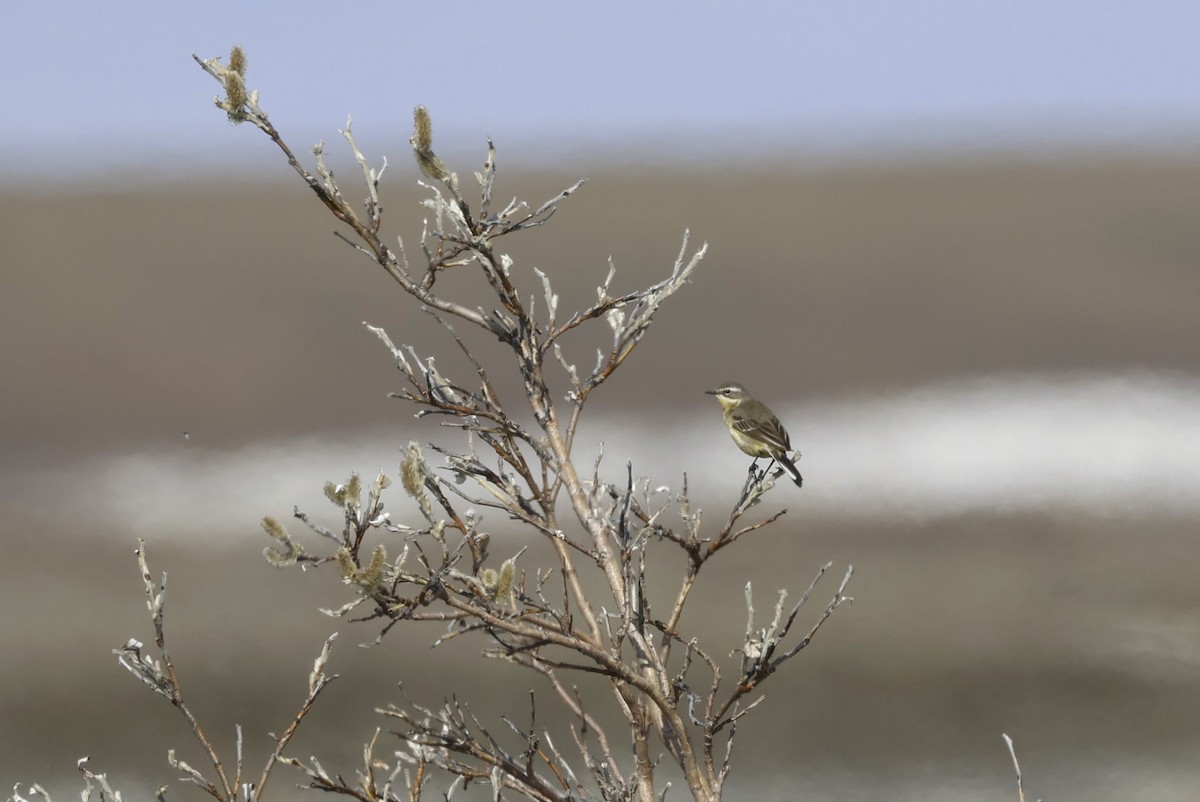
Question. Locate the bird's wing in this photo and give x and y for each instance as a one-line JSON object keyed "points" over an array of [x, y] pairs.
{"points": [[766, 428]]}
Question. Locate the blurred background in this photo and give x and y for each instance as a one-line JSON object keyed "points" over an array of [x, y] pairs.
{"points": [[953, 245]]}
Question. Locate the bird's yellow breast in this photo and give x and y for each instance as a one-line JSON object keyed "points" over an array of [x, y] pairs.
{"points": [[748, 445]]}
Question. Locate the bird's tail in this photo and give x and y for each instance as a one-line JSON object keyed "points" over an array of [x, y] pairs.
{"points": [[785, 461]]}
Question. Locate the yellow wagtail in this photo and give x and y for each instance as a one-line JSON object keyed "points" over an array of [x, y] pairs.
{"points": [[754, 428]]}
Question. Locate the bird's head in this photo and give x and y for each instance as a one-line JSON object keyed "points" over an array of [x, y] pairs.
{"points": [[729, 393]]}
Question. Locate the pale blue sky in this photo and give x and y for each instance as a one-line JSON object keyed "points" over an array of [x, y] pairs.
{"points": [[110, 84]]}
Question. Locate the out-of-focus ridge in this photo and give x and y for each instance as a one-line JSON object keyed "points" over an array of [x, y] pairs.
{"points": [[1102, 444]]}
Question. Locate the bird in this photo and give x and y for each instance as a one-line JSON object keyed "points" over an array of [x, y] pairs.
{"points": [[754, 428]]}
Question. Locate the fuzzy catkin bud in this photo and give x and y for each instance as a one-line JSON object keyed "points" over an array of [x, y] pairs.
{"points": [[505, 590], [499, 586], [237, 60], [413, 471], [346, 564], [289, 553], [422, 129], [348, 493], [371, 575], [489, 579], [368, 578], [422, 143], [235, 91], [273, 528]]}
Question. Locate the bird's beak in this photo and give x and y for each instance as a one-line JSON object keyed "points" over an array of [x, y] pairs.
{"points": [[711, 392]]}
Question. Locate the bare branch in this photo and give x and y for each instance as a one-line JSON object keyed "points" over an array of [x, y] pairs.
{"points": [[1012, 751]]}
